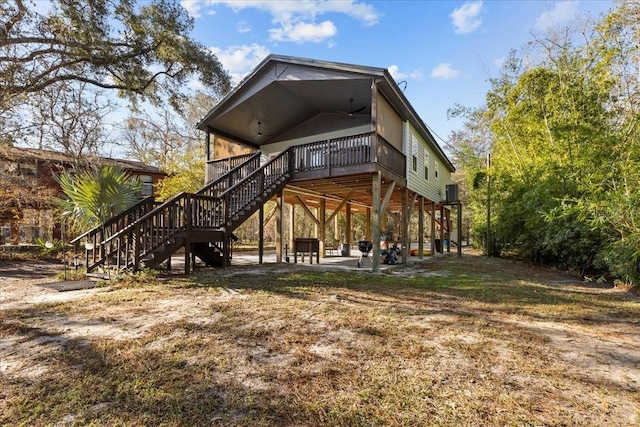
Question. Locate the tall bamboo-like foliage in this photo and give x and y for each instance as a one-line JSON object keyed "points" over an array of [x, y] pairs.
{"points": [[566, 150], [550, 134], [470, 148], [610, 201], [94, 195]]}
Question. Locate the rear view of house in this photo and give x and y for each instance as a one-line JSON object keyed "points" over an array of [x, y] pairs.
{"points": [[354, 139], [335, 137]]}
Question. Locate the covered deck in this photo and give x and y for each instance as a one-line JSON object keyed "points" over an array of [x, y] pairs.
{"points": [[358, 174], [343, 129]]}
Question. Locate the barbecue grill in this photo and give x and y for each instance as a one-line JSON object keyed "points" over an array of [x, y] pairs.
{"points": [[365, 247]]}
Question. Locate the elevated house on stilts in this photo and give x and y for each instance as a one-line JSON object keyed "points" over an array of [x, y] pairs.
{"points": [[338, 137]]}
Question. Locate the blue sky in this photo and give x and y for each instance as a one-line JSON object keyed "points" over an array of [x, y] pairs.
{"points": [[444, 50]]}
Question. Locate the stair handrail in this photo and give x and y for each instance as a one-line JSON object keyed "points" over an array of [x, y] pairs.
{"points": [[257, 191], [184, 194], [229, 175], [127, 232], [114, 218], [259, 170], [96, 252], [251, 156], [147, 216], [132, 237], [216, 207]]}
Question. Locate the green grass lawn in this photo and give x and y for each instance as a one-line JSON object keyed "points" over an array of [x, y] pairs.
{"points": [[456, 342]]}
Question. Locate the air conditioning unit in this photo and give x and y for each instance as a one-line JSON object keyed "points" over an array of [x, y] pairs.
{"points": [[451, 193]]}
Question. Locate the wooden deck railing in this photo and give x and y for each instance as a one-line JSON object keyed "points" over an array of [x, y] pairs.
{"points": [[390, 157], [348, 151], [219, 167]]}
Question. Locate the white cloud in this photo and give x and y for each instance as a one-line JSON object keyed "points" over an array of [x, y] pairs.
{"points": [[465, 18], [394, 70], [308, 9], [302, 32], [561, 12], [244, 27], [240, 60], [195, 85], [295, 21], [193, 7], [498, 62], [445, 71]]}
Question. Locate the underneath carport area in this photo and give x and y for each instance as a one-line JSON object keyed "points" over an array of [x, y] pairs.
{"points": [[356, 261]]}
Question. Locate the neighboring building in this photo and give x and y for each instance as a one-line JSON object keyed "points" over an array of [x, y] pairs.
{"points": [[28, 185]]}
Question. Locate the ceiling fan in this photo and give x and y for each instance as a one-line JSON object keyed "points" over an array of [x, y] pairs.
{"points": [[352, 112], [260, 134]]}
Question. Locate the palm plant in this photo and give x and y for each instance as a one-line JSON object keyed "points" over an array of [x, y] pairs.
{"points": [[94, 195]]}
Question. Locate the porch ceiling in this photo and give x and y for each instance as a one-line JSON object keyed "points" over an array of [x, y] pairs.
{"points": [[282, 105], [283, 92]]}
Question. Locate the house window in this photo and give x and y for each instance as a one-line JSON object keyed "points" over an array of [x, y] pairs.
{"points": [[426, 165], [147, 185], [436, 170], [414, 154]]}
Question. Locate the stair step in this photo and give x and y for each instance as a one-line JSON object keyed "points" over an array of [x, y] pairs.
{"points": [[97, 276]]}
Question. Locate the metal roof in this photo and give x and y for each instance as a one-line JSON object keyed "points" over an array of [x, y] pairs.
{"points": [[283, 91]]}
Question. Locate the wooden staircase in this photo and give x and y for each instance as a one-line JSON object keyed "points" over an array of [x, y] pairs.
{"points": [[202, 223], [96, 252]]}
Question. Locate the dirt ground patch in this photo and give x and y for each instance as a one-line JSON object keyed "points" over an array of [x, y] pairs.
{"points": [[470, 341]]}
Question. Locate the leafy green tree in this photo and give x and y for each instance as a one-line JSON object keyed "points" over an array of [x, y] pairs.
{"points": [[550, 134], [111, 44], [469, 148], [94, 195], [566, 150]]}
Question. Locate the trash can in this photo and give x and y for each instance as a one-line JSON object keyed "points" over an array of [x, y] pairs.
{"points": [[437, 245], [345, 249]]}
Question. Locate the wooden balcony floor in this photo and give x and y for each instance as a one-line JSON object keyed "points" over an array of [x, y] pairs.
{"points": [[335, 189]]}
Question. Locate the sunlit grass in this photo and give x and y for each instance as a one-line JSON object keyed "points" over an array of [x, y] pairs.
{"points": [[316, 348]]}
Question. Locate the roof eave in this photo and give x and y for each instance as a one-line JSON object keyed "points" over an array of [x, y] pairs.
{"points": [[371, 72], [417, 120]]}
